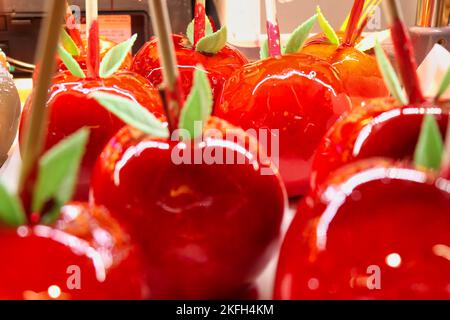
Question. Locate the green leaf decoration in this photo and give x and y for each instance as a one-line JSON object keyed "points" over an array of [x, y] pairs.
{"points": [[214, 42], [198, 106], [444, 84], [11, 210], [70, 63], [299, 35], [327, 28], [69, 44], [430, 147], [389, 75], [57, 175], [115, 57], [190, 30], [264, 50], [132, 113]]}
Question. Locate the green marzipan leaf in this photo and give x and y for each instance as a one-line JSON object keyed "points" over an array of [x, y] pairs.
{"points": [[327, 28], [213, 43], [114, 58], [264, 50], [11, 211], [430, 148], [198, 106], [389, 75], [70, 63], [132, 113], [57, 175], [69, 44], [299, 35], [444, 85], [190, 30]]}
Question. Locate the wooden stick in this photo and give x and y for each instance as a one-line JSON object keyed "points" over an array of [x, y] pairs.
{"points": [[273, 29], [404, 51], [37, 121], [91, 14], [199, 21], [174, 94], [93, 37]]}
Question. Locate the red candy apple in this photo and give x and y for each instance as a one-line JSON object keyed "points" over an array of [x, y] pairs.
{"points": [[218, 65], [84, 255], [376, 229], [70, 109], [379, 128], [299, 95], [206, 211], [383, 127], [206, 230], [53, 249], [358, 70]]}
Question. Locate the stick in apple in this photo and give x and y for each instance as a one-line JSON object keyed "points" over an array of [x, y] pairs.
{"points": [[352, 26], [199, 21], [92, 33], [35, 126], [403, 51], [174, 98], [273, 29]]}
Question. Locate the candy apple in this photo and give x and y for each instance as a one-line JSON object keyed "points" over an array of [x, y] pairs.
{"points": [[380, 128], [206, 211], [218, 62], [84, 255], [359, 71], [55, 249], [376, 229], [383, 127], [299, 95], [70, 109]]}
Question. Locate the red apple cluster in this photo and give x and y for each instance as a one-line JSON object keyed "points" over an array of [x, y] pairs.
{"points": [[372, 222]]}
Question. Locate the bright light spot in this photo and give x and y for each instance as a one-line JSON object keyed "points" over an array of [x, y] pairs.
{"points": [[313, 284], [54, 292], [441, 250], [22, 231], [393, 260]]}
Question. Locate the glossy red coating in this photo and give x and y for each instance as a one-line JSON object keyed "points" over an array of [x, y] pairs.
{"points": [[206, 230], [218, 66], [70, 109], [44, 262], [359, 71], [379, 128], [376, 230], [299, 95]]}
